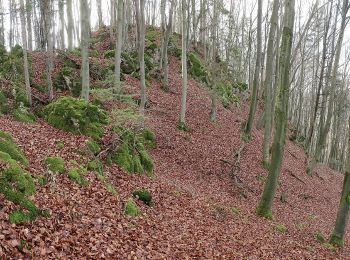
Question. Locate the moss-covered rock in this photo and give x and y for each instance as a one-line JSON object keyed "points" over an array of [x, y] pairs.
{"points": [[16, 184], [132, 155], [55, 164], [9, 147], [76, 116], [143, 195], [197, 69], [77, 175], [131, 209], [22, 114], [95, 165]]}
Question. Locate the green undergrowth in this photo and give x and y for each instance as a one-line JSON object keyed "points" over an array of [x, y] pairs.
{"points": [[133, 142], [281, 228], [132, 154], [131, 209], [16, 184], [55, 164], [76, 116], [8, 146], [144, 195], [77, 175]]}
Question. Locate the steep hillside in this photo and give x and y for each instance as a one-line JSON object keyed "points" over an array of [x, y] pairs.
{"points": [[200, 211]]}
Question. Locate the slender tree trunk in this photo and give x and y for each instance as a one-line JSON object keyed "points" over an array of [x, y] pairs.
{"points": [[165, 65], [25, 57], [99, 14], [85, 30], [70, 24], [118, 51], [252, 110], [182, 122], [29, 7], [49, 45], [268, 84], [337, 236], [140, 16], [61, 14], [281, 112], [2, 28]]}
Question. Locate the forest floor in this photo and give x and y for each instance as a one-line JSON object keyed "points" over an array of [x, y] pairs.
{"points": [[200, 210]]}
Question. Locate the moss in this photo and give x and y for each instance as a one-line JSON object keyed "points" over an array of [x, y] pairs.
{"points": [[330, 246], [23, 115], [266, 213], [225, 93], [109, 54], [149, 138], [146, 161], [76, 116], [197, 69], [4, 107], [93, 147], [132, 155], [76, 175], [94, 165], [60, 144], [110, 188], [8, 146], [336, 241], [16, 185], [55, 164], [320, 237], [131, 209], [143, 195], [281, 228]]}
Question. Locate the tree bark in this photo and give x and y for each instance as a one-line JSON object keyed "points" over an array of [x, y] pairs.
{"points": [[25, 56], [85, 30], [337, 237], [252, 110], [182, 122], [70, 24], [119, 42], [268, 84], [281, 112]]}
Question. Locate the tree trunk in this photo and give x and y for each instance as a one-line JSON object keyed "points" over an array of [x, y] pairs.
{"points": [[25, 57], [140, 17], [85, 30], [61, 14], [281, 112], [268, 84], [337, 237], [70, 24], [182, 122], [252, 110], [29, 7], [165, 66], [119, 42], [99, 14]]}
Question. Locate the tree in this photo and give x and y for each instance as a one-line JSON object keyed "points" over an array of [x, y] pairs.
{"points": [[85, 37], [70, 24], [99, 14], [61, 16], [337, 236], [268, 83], [281, 111], [140, 18], [252, 110], [182, 122], [29, 24], [25, 56], [119, 41], [164, 47]]}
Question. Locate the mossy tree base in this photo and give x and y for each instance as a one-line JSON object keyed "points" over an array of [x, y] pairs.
{"points": [[336, 241], [265, 213]]}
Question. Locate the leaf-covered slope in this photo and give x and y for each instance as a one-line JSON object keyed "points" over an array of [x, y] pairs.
{"points": [[199, 210]]}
